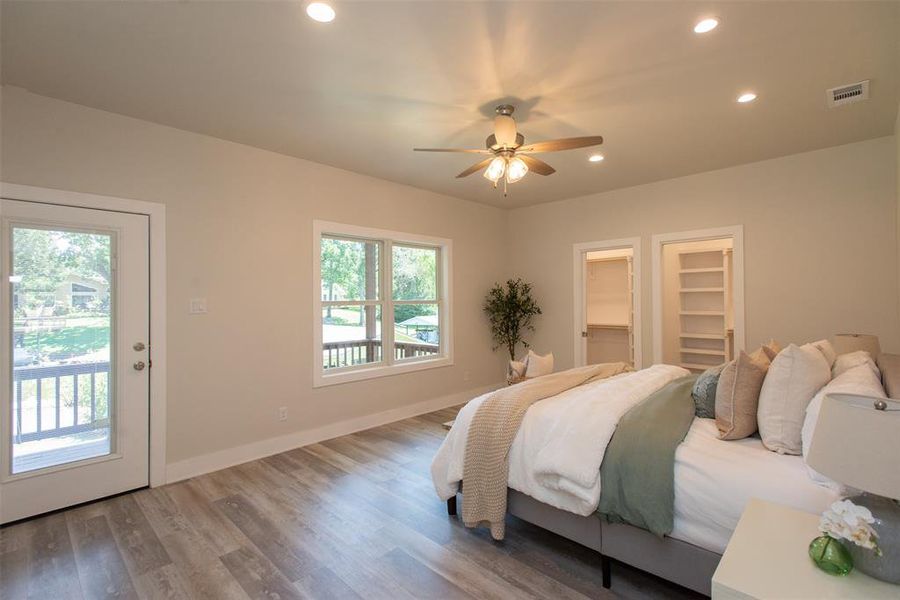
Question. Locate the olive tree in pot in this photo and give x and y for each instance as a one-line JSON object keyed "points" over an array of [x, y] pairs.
{"points": [[511, 310]]}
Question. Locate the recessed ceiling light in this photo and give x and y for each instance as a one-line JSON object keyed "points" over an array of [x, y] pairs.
{"points": [[321, 12], [596, 158], [747, 97], [706, 25]]}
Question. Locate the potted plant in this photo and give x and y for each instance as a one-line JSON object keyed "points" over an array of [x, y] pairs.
{"points": [[511, 310]]}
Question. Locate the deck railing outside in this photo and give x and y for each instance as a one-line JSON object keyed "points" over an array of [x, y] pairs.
{"points": [[360, 352], [93, 416]]}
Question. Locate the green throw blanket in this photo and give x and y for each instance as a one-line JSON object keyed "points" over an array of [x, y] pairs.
{"points": [[637, 477]]}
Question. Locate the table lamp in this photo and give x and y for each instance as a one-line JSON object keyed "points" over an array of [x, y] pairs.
{"points": [[857, 443], [845, 343]]}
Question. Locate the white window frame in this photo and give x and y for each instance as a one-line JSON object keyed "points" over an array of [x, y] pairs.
{"points": [[388, 365]]}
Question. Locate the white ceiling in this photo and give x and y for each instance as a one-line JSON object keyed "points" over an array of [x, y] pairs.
{"points": [[361, 92]]}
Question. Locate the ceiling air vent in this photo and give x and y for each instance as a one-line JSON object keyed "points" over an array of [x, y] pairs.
{"points": [[847, 94]]}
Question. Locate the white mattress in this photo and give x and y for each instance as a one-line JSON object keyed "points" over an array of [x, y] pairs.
{"points": [[715, 479]]}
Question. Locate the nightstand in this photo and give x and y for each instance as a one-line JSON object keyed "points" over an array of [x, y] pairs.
{"points": [[767, 558]]}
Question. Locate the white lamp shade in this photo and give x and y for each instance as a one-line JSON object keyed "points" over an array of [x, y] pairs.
{"points": [[857, 445], [851, 342]]}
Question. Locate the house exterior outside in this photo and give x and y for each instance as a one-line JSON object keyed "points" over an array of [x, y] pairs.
{"points": [[81, 292]]}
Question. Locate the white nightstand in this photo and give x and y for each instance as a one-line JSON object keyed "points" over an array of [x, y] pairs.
{"points": [[767, 557]]}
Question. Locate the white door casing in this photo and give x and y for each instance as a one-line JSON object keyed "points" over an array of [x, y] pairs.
{"points": [[126, 466], [736, 233], [580, 313]]}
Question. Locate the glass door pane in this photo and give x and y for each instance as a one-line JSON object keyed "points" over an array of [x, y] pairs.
{"points": [[62, 304]]}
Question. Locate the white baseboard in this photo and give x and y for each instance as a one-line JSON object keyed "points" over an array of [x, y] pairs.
{"points": [[214, 461]]}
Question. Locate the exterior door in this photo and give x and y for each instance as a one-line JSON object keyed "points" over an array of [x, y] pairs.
{"points": [[74, 356]]}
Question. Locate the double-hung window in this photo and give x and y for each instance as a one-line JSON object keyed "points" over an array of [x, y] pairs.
{"points": [[381, 302]]}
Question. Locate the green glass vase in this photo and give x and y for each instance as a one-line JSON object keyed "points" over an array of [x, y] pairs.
{"points": [[830, 555]]}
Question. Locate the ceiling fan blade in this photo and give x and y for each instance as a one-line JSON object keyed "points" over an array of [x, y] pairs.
{"points": [[563, 144], [469, 150], [537, 166], [475, 168]]}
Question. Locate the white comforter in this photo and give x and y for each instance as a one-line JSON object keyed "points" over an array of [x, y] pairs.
{"points": [[556, 455], [715, 479]]}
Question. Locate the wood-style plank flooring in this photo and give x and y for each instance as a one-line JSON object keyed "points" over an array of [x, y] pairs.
{"points": [[353, 517]]}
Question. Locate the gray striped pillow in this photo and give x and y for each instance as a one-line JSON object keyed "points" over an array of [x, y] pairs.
{"points": [[704, 392]]}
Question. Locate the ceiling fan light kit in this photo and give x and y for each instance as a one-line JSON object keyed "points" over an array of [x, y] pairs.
{"points": [[496, 169], [511, 157], [515, 169]]}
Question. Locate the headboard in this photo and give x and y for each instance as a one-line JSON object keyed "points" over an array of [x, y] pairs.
{"points": [[890, 374]]}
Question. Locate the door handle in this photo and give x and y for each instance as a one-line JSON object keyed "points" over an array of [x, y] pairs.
{"points": [[139, 365], [139, 347]]}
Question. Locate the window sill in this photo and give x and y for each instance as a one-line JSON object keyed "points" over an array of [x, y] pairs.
{"points": [[362, 373]]}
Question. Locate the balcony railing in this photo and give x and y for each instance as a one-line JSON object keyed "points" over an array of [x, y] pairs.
{"points": [[360, 352], [92, 417]]}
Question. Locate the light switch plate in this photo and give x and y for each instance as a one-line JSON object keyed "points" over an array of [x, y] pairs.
{"points": [[198, 306]]}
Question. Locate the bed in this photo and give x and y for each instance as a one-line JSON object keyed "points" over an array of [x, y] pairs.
{"points": [[713, 481]]}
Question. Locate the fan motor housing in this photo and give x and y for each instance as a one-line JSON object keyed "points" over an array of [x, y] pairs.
{"points": [[491, 142]]}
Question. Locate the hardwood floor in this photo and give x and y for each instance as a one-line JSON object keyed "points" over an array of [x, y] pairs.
{"points": [[353, 517]]}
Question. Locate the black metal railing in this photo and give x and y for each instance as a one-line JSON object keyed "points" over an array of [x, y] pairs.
{"points": [[79, 423]]}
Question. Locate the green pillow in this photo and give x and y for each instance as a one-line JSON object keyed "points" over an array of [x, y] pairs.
{"points": [[704, 392]]}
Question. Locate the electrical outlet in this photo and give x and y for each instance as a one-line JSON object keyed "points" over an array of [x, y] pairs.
{"points": [[282, 413], [467, 375]]}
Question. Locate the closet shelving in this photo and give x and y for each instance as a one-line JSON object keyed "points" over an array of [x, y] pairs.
{"points": [[611, 336], [704, 308]]}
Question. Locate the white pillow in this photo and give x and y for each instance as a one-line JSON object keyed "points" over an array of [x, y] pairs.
{"points": [[538, 365], [827, 351], [855, 380], [794, 377], [853, 359]]}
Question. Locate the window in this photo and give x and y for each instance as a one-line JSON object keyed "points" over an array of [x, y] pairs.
{"points": [[381, 304], [82, 296]]}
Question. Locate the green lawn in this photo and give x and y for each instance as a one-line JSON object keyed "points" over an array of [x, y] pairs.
{"points": [[70, 340]]}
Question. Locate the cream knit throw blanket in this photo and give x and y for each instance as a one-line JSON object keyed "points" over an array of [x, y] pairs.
{"points": [[491, 433]]}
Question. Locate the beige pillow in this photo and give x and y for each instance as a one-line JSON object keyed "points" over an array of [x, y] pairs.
{"points": [[827, 351], [794, 377], [845, 362], [737, 396], [538, 365]]}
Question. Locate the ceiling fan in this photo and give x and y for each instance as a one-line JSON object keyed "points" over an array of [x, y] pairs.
{"points": [[510, 159]]}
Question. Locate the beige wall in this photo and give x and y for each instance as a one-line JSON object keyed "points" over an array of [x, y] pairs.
{"points": [[820, 244], [819, 235], [240, 221]]}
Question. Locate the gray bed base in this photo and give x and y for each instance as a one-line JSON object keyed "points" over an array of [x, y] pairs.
{"points": [[682, 563]]}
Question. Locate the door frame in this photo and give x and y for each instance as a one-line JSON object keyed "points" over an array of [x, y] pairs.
{"points": [[736, 233], [157, 215], [579, 275]]}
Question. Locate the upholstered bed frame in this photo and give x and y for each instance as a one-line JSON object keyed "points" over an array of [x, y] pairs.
{"points": [[680, 562]]}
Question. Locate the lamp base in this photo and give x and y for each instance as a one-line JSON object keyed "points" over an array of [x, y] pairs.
{"points": [[887, 525]]}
